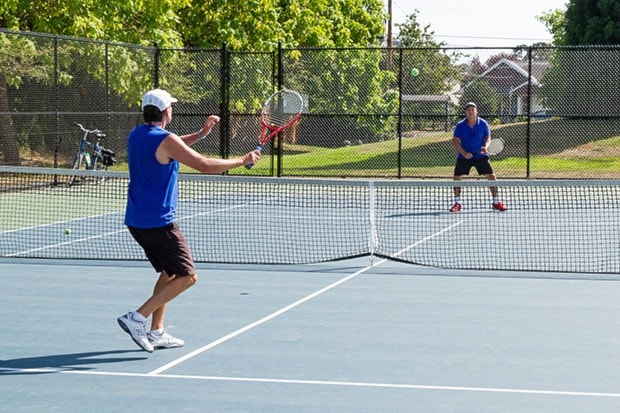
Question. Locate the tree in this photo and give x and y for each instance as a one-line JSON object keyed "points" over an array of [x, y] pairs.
{"points": [[294, 23], [242, 24], [436, 71], [588, 22], [143, 22], [555, 22], [171, 24], [120, 21], [577, 81], [584, 22], [485, 97]]}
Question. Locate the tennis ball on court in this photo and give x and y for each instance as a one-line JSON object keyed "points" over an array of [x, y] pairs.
{"points": [[415, 72], [67, 231]]}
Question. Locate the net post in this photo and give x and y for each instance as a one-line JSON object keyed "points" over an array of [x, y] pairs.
{"points": [[373, 239]]}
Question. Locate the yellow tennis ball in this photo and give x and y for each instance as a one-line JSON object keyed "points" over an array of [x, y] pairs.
{"points": [[67, 231], [415, 72]]}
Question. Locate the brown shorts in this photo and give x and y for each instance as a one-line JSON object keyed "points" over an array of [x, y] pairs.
{"points": [[166, 249]]}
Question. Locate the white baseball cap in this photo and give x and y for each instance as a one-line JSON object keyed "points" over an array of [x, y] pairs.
{"points": [[159, 98]]}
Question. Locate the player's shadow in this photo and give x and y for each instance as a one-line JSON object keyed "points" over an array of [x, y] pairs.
{"points": [[54, 363]]}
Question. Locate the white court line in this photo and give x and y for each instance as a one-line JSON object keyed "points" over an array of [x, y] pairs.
{"points": [[289, 307], [59, 222], [258, 322], [65, 243], [328, 383], [217, 210], [15, 254]]}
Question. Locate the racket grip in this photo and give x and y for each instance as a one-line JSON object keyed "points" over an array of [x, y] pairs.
{"points": [[250, 165]]}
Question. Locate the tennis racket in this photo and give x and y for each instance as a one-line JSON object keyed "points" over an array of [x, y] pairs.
{"points": [[281, 110], [495, 147]]}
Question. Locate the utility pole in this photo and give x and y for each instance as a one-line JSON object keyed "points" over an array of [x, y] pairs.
{"points": [[389, 36]]}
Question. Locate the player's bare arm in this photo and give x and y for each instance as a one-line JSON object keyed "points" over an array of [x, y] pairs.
{"points": [[192, 138], [173, 147]]}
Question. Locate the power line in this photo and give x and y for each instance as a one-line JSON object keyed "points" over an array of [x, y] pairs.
{"points": [[488, 37]]}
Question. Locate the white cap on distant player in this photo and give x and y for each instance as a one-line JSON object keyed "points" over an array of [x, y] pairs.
{"points": [[158, 98]]}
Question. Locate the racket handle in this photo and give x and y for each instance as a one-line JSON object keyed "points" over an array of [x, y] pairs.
{"points": [[250, 165]]}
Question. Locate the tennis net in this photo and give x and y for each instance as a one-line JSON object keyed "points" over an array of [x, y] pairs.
{"points": [[558, 226]]}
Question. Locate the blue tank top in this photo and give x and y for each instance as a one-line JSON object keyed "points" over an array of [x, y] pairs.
{"points": [[153, 188]]}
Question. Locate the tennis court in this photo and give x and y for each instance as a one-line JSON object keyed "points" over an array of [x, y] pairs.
{"points": [[358, 334], [338, 337]]}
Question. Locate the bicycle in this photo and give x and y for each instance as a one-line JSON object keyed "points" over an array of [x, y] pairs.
{"points": [[97, 159]]}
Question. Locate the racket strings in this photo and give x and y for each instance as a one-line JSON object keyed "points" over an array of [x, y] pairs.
{"points": [[282, 108], [495, 147]]}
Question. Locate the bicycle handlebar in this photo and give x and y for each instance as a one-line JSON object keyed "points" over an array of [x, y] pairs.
{"points": [[97, 132]]}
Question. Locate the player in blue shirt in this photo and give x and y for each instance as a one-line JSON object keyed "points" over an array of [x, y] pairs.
{"points": [[153, 155], [471, 139]]}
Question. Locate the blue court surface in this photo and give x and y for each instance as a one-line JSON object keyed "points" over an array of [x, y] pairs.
{"points": [[336, 337]]}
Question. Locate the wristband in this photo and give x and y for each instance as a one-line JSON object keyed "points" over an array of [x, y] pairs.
{"points": [[199, 137]]}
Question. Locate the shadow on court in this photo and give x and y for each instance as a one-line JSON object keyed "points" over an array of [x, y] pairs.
{"points": [[75, 361]]}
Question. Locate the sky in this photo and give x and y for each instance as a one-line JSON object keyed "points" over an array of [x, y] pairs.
{"points": [[479, 23]]}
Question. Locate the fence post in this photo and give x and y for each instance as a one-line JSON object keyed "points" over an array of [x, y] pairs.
{"points": [[529, 113], [399, 123], [156, 57], [279, 78], [56, 106], [224, 102], [107, 86]]}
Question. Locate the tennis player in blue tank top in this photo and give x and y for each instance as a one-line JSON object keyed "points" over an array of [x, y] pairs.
{"points": [[154, 155]]}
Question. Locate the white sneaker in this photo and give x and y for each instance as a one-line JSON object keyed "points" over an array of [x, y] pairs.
{"points": [[166, 340], [136, 330]]}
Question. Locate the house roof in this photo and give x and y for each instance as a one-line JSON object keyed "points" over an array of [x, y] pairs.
{"points": [[507, 76]]}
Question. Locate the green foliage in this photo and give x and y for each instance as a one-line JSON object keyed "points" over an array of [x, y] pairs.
{"points": [[555, 22], [568, 85], [345, 82], [411, 34], [133, 21], [437, 72], [241, 24], [588, 22], [21, 60], [480, 92], [584, 22], [262, 24]]}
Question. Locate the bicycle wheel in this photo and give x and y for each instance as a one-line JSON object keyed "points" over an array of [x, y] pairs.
{"points": [[77, 163], [98, 165], [77, 160]]}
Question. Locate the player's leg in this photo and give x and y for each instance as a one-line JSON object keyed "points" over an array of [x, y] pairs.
{"points": [[167, 250], [157, 319], [166, 289], [457, 195], [461, 169], [497, 204]]}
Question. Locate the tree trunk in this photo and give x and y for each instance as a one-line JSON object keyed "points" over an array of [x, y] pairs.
{"points": [[9, 148]]}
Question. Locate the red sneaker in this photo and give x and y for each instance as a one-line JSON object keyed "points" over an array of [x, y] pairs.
{"points": [[500, 207], [456, 207]]}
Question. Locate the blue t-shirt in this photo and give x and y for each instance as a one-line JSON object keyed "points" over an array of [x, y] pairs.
{"points": [[472, 138], [153, 187]]}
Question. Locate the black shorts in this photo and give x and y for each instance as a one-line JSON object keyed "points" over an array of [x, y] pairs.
{"points": [[482, 165], [166, 249]]}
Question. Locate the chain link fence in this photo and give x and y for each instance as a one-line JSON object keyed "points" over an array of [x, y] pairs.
{"points": [[371, 112]]}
